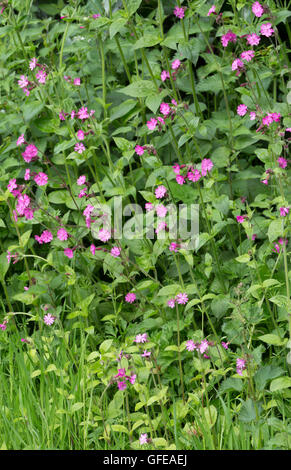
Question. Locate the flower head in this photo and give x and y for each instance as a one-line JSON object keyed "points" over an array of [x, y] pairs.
{"points": [[182, 298], [29, 153], [104, 235], [247, 55], [282, 162], [284, 211], [152, 124], [115, 252], [253, 39], [175, 64], [241, 109], [41, 179], [160, 191], [130, 297], [257, 9], [139, 150], [49, 319], [141, 338], [164, 75], [206, 166], [211, 10], [69, 253], [143, 439], [79, 147], [179, 12], [267, 30], [62, 234], [190, 345]]}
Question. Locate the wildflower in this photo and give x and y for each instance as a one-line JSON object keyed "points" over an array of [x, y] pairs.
{"points": [[41, 179], [146, 353], [104, 235], [237, 65], [130, 297], [203, 346], [253, 39], [171, 303], [148, 206], [49, 319], [276, 117], [161, 226], [190, 345], [240, 218], [3, 326], [121, 373], [252, 115], [152, 124], [23, 82], [206, 166], [211, 10], [143, 439], [141, 338], [69, 253], [132, 379], [179, 12], [139, 150], [20, 140], [161, 211], [164, 75], [27, 174], [228, 37], [165, 109], [115, 252], [28, 213], [182, 298], [267, 120], [174, 247], [194, 176], [176, 64], [267, 30], [176, 169], [284, 211], [80, 135], [93, 249], [240, 365], [282, 162], [174, 102], [160, 191], [241, 109], [32, 63], [23, 202], [12, 185], [29, 153], [79, 147], [46, 236], [257, 9], [247, 55], [83, 113], [180, 179], [73, 114], [224, 345], [88, 210], [62, 234], [77, 81], [41, 76], [265, 181], [121, 385], [161, 120]]}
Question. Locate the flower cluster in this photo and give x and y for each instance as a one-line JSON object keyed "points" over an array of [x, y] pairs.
{"points": [[181, 299], [190, 173]]}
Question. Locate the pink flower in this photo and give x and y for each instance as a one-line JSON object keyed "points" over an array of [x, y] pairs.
{"points": [[265, 182], [276, 117], [182, 298], [80, 135], [161, 226], [267, 30], [104, 235], [29, 153], [148, 206], [224, 345], [152, 124], [164, 75], [23, 82], [237, 64], [160, 191], [161, 211], [88, 210], [83, 113], [49, 319], [176, 169], [41, 76], [23, 202], [190, 345], [284, 211], [141, 338], [130, 297], [241, 109], [20, 140], [143, 438], [46, 236], [69, 253], [194, 176], [257, 9], [267, 120], [115, 252], [175, 64], [132, 379], [77, 81], [73, 114], [96, 15], [171, 303], [228, 37], [93, 249], [179, 12], [180, 179], [41, 179], [240, 365], [82, 193], [206, 166], [203, 346], [146, 353], [174, 247], [252, 115], [79, 147], [81, 180], [240, 218], [27, 174], [62, 234], [165, 109], [282, 162], [139, 150], [12, 185], [253, 39], [161, 120], [121, 373], [121, 385], [211, 10], [62, 116], [247, 55], [32, 63]]}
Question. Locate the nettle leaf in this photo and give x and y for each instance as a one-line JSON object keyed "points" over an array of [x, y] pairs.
{"points": [[4, 265], [280, 384], [275, 230], [266, 373], [247, 412], [122, 109], [149, 40], [132, 6], [139, 89], [272, 339], [116, 26], [171, 290], [32, 109]]}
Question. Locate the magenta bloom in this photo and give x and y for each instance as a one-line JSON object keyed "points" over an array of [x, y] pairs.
{"points": [[240, 365], [132, 379], [282, 162], [29, 153], [161, 211], [165, 109], [41, 179], [247, 55], [139, 150], [148, 206], [160, 191], [152, 124], [174, 247], [81, 180], [176, 169], [143, 438], [115, 252], [194, 176], [253, 39], [49, 319], [46, 236], [171, 303], [80, 135], [41, 76], [69, 253], [141, 338], [237, 65], [241, 109], [27, 174], [252, 115], [267, 120], [284, 211], [182, 298], [180, 179], [62, 234], [179, 12], [206, 166], [12, 185], [175, 64], [83, 113], [79, 147], [164, 75], [77, 81], [104, 235], [20, 140], [23, 202], [203, 346], [224, 345], [267, 30], [93, 249], [257, 9], [240, 218], [228, 37], [121, 385], [23, 82], [32, 63], [146, 353], [211, 10], [190, 345], [130, 297]]}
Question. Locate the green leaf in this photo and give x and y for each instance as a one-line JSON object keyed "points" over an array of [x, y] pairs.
{"points": [[32, 109], [24, 238], [116, 26], [275, 230], [266, 373], [148, 40], [247, 412], [272, 339], [139, 89], [280, 384], [243, 258], [119, 428], [76, 407], [4, 265], [170, 291]]}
